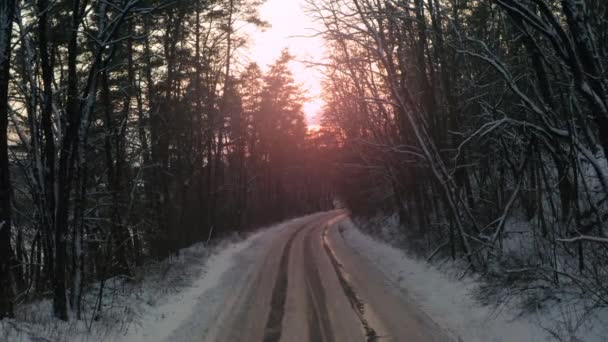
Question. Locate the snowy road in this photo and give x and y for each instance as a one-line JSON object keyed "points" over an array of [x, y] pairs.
{"points": [[304, 283]]}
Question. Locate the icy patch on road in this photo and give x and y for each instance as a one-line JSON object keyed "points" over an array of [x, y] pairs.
{"points": [[447, 301]]}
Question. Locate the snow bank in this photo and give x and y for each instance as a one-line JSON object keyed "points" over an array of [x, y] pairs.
{"points": [[468, 305], [160, 321], [151, 308], [446, 300]]}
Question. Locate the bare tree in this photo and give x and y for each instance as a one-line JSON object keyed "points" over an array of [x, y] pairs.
{"points": [[7, 12]]}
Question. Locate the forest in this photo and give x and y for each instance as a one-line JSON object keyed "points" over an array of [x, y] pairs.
{"points": [[131, 129], [483, 126], [127, 136]]}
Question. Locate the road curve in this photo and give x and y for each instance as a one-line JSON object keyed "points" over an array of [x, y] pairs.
{"points": [[308, 285]]}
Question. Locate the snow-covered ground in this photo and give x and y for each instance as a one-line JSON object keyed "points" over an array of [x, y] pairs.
{"points": [[447, 301], [165, 296], [160, 321], [178, 299], [449, 298]]}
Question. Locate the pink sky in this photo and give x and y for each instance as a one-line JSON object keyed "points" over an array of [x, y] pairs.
{"points": [[290, 28]]}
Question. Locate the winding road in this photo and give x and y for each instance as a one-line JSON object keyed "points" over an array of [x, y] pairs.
{"points": [[308, 285]]}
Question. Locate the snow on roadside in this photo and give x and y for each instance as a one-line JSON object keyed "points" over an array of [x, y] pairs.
{"points": [[448, 301], [187, 315], [151, 309], [160, 321]]}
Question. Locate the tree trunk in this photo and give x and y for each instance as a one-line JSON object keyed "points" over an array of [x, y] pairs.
{"points": [[7, 12]]}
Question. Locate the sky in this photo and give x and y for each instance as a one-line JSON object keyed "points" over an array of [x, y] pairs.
{"points": [[290, 28]]}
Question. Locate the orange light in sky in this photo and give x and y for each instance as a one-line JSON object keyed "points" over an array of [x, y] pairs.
{"points": [[291, 28]]}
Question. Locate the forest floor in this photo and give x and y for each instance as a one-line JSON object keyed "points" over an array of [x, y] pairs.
{"points": [[316, 277]]}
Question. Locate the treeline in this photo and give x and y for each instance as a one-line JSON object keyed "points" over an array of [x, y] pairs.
{"points": [[484, 126], [128, 133]]}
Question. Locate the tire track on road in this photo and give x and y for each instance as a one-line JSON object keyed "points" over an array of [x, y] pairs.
{"points": [[319, 323], [356, 302], [274, 324]]}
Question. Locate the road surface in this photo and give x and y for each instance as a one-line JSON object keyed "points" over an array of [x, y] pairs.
{"points": [[308, 285]]}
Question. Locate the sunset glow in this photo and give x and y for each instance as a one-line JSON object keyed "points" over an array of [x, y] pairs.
{"points": [[291, 28]]}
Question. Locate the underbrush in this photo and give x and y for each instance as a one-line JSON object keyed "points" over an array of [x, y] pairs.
{"points": [[124, 302]]}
